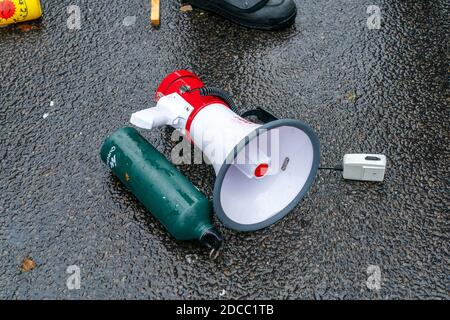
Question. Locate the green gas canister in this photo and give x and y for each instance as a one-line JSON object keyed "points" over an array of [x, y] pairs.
{"points": [[166, 193]]}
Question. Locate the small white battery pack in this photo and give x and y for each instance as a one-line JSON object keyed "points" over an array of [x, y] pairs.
{"points": [[366, 167]]}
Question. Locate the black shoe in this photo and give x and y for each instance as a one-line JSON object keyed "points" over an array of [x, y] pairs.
{"points": [[255, 14]]}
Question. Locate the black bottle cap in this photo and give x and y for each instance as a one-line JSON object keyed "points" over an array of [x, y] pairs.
{"points": [[212, 239]]}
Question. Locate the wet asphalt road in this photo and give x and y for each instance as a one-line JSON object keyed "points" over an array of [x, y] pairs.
{"points": [[61, 206]]}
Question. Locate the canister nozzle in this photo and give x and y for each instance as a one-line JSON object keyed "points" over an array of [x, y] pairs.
{"points": [[212, 239]]}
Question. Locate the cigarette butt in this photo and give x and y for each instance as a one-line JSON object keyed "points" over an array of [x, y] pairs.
{"points": [[154, 17]]}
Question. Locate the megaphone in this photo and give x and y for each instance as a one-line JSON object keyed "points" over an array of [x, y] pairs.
{"points": [[263, 170]]}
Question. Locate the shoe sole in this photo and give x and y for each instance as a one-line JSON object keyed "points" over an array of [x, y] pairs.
{"points": [[280, 25]]}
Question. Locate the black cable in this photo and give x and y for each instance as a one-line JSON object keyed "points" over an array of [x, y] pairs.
{"points": [[336, 168], [220, 93]]}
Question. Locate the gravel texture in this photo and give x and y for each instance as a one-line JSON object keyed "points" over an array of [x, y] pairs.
{"points": [[383, 91]]}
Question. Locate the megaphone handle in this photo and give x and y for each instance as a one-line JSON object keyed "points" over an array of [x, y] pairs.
{"points": [[262, 115], [151, 118]]}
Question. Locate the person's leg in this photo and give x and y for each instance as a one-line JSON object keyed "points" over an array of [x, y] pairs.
{"points": [[256, 14]]}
